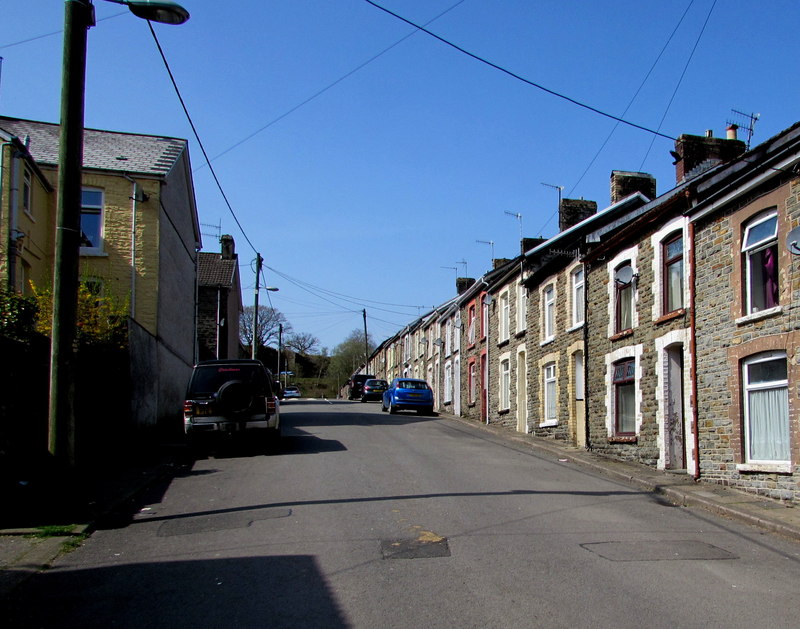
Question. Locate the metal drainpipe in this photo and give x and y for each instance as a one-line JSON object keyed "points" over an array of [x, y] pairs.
{"points": [[2, 169], [134, 200], [693, 349], [587, 426], [12, 217]]}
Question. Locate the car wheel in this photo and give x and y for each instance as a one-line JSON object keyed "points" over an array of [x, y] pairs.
{"points": [[392, 408], [383, 408], [363, 399]]}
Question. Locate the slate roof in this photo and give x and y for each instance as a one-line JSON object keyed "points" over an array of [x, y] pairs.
{"points": [[106, 150], [212, 270]]}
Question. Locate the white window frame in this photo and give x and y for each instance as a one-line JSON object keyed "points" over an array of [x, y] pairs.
{"points": [[448, 382], [504, 317], [549, 395], [749, 252], [522, 307], [99, 209], [504, 383], [549, 312], [578, 293], [748, 389]]}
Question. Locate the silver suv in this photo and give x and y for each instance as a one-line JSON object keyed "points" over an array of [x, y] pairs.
{"points": [[230, 396]]}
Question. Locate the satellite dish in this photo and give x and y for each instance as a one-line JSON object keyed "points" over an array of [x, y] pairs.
{"points": [[624, 275], [793, 241]]}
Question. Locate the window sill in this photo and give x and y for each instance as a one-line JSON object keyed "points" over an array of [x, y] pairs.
{"points": [[503, 343], [621, 335], [677, 314], [623, 439], [519, 334], [769, 468], [448, 403], [549, 424], [471, 405], [503, 411], [758, 316], [547, 341], [578, 326]]}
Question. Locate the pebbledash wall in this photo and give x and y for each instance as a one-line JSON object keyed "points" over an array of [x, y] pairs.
{"points": [[726, 337]]}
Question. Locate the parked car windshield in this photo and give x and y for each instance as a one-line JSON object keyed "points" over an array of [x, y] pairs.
{"points": [[208, 379], [411, 384], [375, 383]]}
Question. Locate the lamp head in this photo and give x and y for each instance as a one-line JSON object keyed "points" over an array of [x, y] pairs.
{"points": [[164, 11]]}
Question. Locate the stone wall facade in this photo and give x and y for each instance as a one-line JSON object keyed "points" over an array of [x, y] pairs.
{"points": [[727, 336]]}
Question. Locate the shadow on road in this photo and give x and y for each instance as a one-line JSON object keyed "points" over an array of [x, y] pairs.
{"points": [[285, 591]]}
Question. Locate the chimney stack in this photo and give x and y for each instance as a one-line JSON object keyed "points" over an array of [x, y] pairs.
{"points": [[529, 243], [463, 283], [695, 154], [228, 247], [624, 184], [573, 211]]}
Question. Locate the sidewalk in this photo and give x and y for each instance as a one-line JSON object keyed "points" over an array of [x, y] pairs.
{"points": [[21, 555]]}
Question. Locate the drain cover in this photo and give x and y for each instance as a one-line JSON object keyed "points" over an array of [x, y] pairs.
{"points": [[420, 548], [657, 551]]}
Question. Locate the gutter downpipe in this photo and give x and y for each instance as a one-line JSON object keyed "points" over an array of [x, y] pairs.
{"points": [[134, 201], [13, 190], [587, 428], [693, 349]]}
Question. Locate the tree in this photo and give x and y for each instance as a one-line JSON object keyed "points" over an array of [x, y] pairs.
{"points": [[301, 342], [348, 356], [267, 325]]}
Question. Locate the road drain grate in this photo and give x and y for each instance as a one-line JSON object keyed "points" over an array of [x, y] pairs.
{"points": [[657, 550], [419, 548]]}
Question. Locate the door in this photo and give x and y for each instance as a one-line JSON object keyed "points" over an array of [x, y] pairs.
{"points": [[674, 418]]}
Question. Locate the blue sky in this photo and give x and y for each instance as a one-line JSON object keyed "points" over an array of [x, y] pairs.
{"points": [[362, 196]]}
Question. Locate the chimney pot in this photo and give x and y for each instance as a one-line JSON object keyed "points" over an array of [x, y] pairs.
{"points": [[732, 129], [709, 133]]}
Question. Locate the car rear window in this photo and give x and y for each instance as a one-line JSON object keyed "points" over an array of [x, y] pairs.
{"points": [[208, 379], [375, 383], [411, 384]]}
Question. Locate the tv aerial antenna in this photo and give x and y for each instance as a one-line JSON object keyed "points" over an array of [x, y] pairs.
{"points": [[746, 122]]}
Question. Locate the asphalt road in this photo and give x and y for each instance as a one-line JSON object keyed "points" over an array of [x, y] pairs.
{"points": [[362, 519]]}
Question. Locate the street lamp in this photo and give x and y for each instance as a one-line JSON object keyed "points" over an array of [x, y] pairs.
{"points": [[78, 18]]}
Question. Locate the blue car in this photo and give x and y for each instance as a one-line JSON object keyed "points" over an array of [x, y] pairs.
{"points": [[408, 394]]}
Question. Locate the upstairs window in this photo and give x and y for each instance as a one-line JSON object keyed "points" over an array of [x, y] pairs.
{"points": [[578, 297], [27, 192], [549, 312], [91, 221], [624, 297], [672, 273], [760, 252], [766, 408], [522, 307], [504, 313], [471, 325]]}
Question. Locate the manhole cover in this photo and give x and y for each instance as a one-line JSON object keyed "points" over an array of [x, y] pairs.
{"points": [[657, 551], [419, 548]]}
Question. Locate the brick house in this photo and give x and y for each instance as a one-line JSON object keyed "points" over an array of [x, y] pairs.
{"points": [[219, 302], [747, 287], [140, 235]]}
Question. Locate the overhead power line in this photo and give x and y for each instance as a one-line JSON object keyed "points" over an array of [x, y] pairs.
{"points": [[519, 77]]}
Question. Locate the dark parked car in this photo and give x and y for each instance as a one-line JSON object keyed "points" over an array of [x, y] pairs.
{"points": [[408, 394], [230, 396], [356, 385], [373, 389]]}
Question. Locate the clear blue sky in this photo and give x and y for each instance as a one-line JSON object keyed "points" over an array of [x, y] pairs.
{"points": [[359, 197]]}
